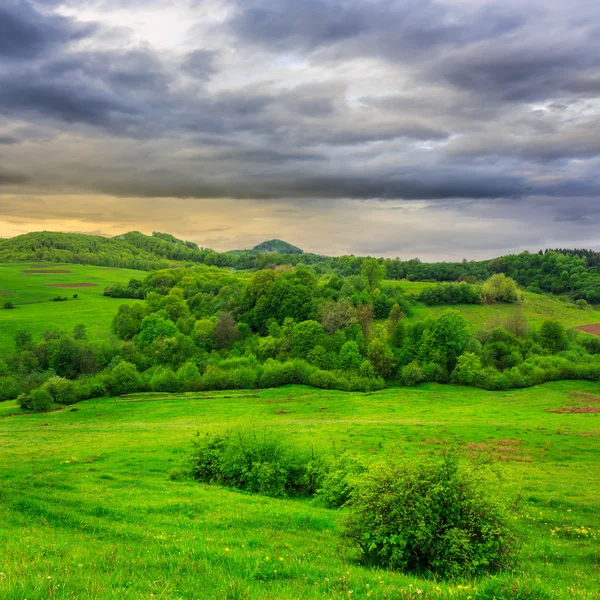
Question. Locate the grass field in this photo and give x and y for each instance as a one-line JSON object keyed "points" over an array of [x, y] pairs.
{"points": [[536, 307], [31, 296], [87, 509]]}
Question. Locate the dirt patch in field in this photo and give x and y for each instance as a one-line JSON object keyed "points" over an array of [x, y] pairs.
{"points": [[593, 329], [575, 409], [6, 292], [584, 397], [46, 272], [71, 285]]}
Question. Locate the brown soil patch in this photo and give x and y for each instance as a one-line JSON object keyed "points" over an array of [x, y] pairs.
{"points": [[6, 292], [283, 412], [47, 272], [593, 329], [576, 409], [71, 285], [586, 397]]}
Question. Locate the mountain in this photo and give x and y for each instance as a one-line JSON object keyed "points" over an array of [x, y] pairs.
{"points": [[278, 246]]}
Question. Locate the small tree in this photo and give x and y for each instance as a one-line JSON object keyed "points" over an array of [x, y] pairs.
{"points": [[467, 369], [554, 336], [372, 272], [9, 305], [225, 332]]}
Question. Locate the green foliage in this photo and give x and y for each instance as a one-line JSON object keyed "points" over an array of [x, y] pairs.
{"points": [[372, 271], [9, 388], [305, 336], [450, 293], [339, 480], [428, 517], [553, 336], [468, 368], [499, 288], [257, 461], [62, 390], [123, 378], [350, 357], [38, 400]]}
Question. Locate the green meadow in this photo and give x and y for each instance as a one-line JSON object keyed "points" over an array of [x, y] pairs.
{"points": [[88, 508], [31, 295], [535, 307]]}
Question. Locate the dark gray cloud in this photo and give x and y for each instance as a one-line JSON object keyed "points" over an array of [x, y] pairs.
{"points": [[26, 32], [465, 105]]}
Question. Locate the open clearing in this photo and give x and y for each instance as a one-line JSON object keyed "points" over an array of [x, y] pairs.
{"points": [[71, 285], [46, 272], [87, 509], [34, 311]]}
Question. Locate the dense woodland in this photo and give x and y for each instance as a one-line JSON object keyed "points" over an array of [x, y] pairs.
{"points": [[574, 273], [204, 328]]}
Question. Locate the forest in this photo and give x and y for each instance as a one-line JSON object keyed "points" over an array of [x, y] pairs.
{"points": [[209, 328]]}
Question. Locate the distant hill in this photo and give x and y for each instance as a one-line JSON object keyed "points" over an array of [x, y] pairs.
{"points": [[278, 246], [132, 250]]}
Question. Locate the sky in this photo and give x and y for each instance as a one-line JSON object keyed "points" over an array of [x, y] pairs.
{"points": [[443, 129]]}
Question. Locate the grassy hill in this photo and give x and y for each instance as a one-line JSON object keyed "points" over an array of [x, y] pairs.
{"points": [[31, 293], [536, 308], [89, 511]]}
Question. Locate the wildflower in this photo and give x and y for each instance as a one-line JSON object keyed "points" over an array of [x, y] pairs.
{"points": [[227, 550], [281, 558]]}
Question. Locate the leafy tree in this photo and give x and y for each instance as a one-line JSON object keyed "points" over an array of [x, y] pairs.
{"points": [[123, 379], [337, 315], [553, 336], [350, 357], [372, 271], [468, 368], [155, 326], [380, 357], [23, 338], [225, 332], [305, 336]]}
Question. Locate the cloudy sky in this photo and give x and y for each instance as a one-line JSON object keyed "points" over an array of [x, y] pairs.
{"points": [[430, 128]]}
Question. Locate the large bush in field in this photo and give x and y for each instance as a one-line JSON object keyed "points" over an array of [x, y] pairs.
{"points": [[254, 460], [428, 517]]}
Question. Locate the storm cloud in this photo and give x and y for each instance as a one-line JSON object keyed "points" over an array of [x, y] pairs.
{"points": [[474, 109]]}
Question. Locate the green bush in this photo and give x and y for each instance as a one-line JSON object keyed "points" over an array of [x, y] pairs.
{"points": [[9, 388], [257, 461], [339, 480], [62, 390], [428, 517], [412, 374], [39, 400]]}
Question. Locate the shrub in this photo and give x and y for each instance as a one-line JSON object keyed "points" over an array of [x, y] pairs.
{"points": [[9, 388], [9, 305], [39, 400], [164, 380], [62, 390], [256, 461], [412, 374], [123, 379], [339, 480], [428, 517]]}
